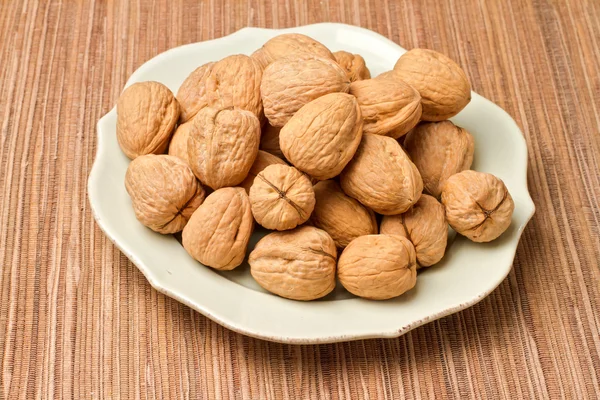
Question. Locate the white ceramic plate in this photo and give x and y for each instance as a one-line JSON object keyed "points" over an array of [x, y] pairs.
{"points": [[467, 274]]}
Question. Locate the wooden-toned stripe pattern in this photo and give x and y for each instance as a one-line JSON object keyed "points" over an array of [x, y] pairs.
{"points": [[79, 321]]}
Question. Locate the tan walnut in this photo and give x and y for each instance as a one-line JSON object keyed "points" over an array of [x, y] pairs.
{"points": [[291, 82], [147, 113], [478, 205], [269, 140], [381, 176], [290, 44], [443, 85], [232, 82], [342, 217], [297, 264], [164, 192], [281, 197], [178, 146], [218, 232], [354, 64], [321, 138], [424, 224], [223, 145], [378, 267], [388, 107], [263, 160]]}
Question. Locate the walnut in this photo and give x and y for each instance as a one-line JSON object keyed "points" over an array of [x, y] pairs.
{"points": [[297, 264], [439, 150], [424, 224], [378, 267], [218, 232], [281, 197], [269, 140], [223, 145], [478, 205], [381, 176], [147, 113], [178, 145], [290, 44], [321, 138], [354, 65], [164, 192], [342, 217], [263, 160]]}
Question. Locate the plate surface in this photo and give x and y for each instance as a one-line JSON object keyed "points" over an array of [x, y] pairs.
{"points": [[468, 272]]}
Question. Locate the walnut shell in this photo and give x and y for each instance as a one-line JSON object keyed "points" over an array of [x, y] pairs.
{"points": [[164, 192], [378, 267], [281, 197], [263, 160], [424, 224], [291, 82], [297, 264], [147, 113], [321, 138], [388, 107], [223, 146], [478, 205], [269, 140], [290, 44], [381, 176], [342, 217], [218, 232], [443, 85], [178, 146], [232, 82], [354, 65], [439, 150]]}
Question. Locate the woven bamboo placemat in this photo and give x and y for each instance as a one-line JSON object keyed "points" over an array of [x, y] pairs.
{"points": [[77, 319]]}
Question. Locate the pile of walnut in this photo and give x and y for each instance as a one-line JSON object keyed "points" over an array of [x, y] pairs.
{"points": [[304, 142]]}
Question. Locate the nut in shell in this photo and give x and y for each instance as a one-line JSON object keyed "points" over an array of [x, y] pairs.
{"points": [[179, 141], [147, 113], [263, 160], [297, 264], [478, 205], [269, 140], [378, 267], [354, 64], [218, 232], [290, 44], [164, 192]]}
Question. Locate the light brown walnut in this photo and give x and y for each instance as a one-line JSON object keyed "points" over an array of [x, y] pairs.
{"points": [[290, 44], [263, 160], [269, 140], [354, 64]]}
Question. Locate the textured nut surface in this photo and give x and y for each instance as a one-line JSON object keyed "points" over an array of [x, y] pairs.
{"points": [[223, 146], [281, 197], [439, 150], [478, 205], [381, 176], [218, 232], [388, 107], [297, 264], [321, 138], [269, 140], [424, 224], [378, 267], [443, 85], [342, 217], [178, 145], [291, 82], [263, 160], [354, 64], [290, 44], [164, 192], [146, 116], [232, 82]]}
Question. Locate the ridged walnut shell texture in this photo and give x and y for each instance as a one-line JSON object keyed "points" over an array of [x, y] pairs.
{"points": [[424, 224], [354, 64], [164, 192], [443, 85], [297, 264], [478, 205], [269, 140], [217, 235], [291, 82], [290, 44], [146, 116], [342, 217], [223, 146], [263, 160], [439, 150], [321, 138], [381, 176], [281, 197], [378, 267], [178, 146], [388, 107], [232, 82]]}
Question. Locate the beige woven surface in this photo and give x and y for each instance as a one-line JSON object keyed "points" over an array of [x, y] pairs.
{"points": [[77, 319]]}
